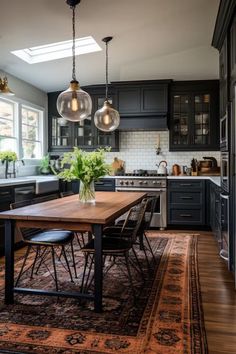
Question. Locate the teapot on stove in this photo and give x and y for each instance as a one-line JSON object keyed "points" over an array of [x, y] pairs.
{"points": [[162, 168]]}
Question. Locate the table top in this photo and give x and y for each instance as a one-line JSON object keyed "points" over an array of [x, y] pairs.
{"points": [[108, 206]]}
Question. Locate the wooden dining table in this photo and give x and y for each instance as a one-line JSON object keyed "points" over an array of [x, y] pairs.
{"points": [[70, 214]]}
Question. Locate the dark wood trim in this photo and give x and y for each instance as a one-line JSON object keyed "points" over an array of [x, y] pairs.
{"points": [[226, 11]]}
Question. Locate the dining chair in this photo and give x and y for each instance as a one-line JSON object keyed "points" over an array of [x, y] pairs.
{"points": [[80, 236], [142, 240], [43, 242], [116, 247]]}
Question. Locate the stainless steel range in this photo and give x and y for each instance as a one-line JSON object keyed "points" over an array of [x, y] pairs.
{"points": [[155, 186]]}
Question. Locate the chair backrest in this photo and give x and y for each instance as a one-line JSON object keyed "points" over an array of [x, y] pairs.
{"points": [[20, 204], [45, 198], [66, 194], [133, 222], [149, 210], [24, 232]]}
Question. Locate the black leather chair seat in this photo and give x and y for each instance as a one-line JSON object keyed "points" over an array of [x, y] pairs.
{"points": [[51, 237], [109, 245]]}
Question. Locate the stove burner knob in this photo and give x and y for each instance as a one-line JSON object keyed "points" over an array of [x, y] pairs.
{"points": [[140, 182], [154, 182], [132, 183], [121, 183], [145, 182], [127, 182]]}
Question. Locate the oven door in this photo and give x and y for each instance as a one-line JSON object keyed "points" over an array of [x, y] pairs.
{"points": [[159, 218]]}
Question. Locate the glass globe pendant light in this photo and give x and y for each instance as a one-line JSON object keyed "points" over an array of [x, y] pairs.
{"points": [[74, 104], [107, 118]]}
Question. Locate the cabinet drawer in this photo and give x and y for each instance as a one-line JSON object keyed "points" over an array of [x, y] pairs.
{"points": [[186, 217], [5, 194], [185, 198], [186, 185]]}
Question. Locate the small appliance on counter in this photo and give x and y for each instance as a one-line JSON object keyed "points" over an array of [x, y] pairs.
{"points": [[208, 166], [162, 168], [176, 170]]}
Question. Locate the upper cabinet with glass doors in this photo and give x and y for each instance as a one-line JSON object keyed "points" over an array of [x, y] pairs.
{"points": [[64, 135], [194, 121]]}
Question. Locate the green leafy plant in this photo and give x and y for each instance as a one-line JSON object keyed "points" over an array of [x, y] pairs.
{"points": [[8, 156], [85, 166], [45, 164]]}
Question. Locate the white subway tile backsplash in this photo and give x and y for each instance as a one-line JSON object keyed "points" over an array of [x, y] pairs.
{"points": [[138, 150]]}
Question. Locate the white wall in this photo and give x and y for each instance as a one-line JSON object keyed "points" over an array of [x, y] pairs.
{"points": [[137, 149]]}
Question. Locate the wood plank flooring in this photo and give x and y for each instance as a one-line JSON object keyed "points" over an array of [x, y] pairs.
{"points": [[218, 296]]}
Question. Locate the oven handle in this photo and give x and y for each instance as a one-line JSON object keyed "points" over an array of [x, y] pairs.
{"points": [[139, 189], [223, 256]]}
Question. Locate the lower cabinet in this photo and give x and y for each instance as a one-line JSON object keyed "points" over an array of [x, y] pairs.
{"points": [[104, 184], [6, 198], [186, 202]]}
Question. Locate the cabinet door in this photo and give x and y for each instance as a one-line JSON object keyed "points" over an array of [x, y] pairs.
{"points": [[129, 101], [60, 134], [223, 78], [195, 118], [181, 120], [154, 99], [233, 56]]}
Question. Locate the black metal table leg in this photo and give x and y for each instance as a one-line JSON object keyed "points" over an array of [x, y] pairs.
{"points": [[9, 261], [98, 275]]}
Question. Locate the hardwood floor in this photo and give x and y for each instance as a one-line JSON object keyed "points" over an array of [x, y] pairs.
{"points": [[218, 296]]}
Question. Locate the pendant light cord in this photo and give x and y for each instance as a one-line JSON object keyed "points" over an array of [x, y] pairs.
{"points": [[106, 71], [73, 44]]}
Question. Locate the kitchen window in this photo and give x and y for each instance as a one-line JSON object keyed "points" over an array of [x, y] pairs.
{"points": [[21, 127]]}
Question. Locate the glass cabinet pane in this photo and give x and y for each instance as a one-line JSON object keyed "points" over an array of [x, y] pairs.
{"points": [[181, 120], [60, 132], [202, 119], [83, 133]]}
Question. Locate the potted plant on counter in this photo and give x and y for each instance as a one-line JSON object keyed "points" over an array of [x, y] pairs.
{"points": [[44, 166], [6, 157], [87, 167]]}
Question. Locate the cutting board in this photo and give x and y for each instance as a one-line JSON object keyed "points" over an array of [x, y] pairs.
{"points": [[117, 165]]}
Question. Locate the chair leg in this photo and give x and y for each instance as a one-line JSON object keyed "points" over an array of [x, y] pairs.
{"points": [[67, 263], [129, 273], [43, 256], [138, 263], [83, 276], [150, 248], [35, 260], [23, 265], [73, 259], [54, 267]]}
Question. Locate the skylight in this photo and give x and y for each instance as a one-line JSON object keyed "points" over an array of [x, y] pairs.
{"points": [[57, 50]]}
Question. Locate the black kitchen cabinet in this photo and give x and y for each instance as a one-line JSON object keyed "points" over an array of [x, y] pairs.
{"points": [[6, 198], [194, 116], [186, 202], [104, 185], [142, 104], [64, 135], [232, 57], [223, 62]]}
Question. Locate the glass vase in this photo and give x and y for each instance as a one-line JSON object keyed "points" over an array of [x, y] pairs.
{"points": [[87, 192]]}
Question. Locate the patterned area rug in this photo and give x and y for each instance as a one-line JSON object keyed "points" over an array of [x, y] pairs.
{"points": [[166, 316]]}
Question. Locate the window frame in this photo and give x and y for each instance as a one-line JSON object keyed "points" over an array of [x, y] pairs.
{"points": [[18, 105]]}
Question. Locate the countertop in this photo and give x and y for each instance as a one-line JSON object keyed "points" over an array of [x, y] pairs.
{"points": [[26, 180], [33, 179]]}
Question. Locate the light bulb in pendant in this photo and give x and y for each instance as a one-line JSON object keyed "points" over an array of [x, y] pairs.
{"points": [[107, 118]]}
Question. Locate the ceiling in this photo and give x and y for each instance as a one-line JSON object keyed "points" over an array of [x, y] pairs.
{"points": [[152, 39]]}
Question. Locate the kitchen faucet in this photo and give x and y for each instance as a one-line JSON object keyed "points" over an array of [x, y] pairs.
{"points": [[13, 173]]}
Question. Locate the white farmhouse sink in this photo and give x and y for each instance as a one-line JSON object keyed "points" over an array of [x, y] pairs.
{"points": [[45, 184]]}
